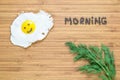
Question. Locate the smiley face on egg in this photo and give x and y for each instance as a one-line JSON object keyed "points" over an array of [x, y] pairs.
{"points": [[28, 28]]}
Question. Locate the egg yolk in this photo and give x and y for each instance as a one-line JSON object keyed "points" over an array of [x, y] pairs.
{"points": [[28, 27]]}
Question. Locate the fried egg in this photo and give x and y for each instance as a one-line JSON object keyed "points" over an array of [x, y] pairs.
{"points": [[30, 27]]}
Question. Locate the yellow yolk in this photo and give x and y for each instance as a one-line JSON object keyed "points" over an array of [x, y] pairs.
{"points": [[28, 27]]}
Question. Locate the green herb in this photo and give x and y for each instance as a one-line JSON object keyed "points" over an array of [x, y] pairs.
{"points": [[101, 60]]}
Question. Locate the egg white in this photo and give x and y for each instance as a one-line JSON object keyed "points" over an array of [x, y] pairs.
{"points": [[43, 22]]}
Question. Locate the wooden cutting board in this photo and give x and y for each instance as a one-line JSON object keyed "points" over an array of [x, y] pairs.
{"points": [[50, 59]]}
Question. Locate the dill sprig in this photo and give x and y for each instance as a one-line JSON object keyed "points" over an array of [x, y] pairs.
{"points": [[100, 60]]}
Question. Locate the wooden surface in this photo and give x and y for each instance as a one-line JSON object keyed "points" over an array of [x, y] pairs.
{"points": [[50, 59]]}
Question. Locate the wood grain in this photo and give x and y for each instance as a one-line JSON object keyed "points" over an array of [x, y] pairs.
{"points": [[50, 59]]}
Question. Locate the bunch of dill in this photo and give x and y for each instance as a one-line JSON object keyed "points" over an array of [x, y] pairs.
{"points": [[101, 60]]}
